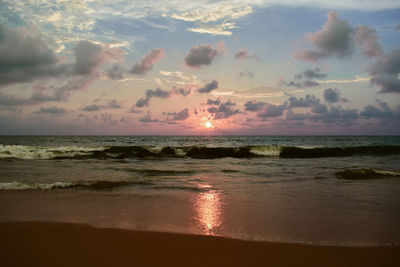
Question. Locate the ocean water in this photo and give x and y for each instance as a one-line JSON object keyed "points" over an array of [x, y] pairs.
{"points": [[337, 190]]}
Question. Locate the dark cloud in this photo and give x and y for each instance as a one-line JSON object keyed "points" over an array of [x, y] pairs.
{"points": [[116, 72], [332, 95], [254, 106], [397, 27], [318, 108], [24, 57], [334, 39], [385, 72], [144, 101], [384, 111], [183, 91], [367, 40], [179, 116], [134, 110], [313, 74], [270, 110], [224, 110], [157, 93], [215, 102], [147, 62], [52, 110], [332, 115], [308, 101], [93, 107], [308, 75], [200, 55], [208, 87], [88, 57], [8, 100], [147, 118], [114, 104], [309, 83]]}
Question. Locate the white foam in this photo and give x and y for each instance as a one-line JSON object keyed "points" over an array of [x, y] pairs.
{"points": [[387, 172], [42, 186], [38, 152], [271, 151]]}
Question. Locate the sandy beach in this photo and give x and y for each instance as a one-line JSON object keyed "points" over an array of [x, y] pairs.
{"points": [[62, 244]]}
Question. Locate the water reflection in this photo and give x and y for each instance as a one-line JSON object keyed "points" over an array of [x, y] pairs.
{"points": [[209, 211]]}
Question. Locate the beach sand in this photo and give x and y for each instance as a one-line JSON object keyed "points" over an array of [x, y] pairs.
{"points": [[64, 244]]}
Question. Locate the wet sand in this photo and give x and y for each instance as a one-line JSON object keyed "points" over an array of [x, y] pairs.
{"points": [[63, 244]]}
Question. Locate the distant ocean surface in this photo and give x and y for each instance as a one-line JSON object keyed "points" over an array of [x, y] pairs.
{"points": [[337, 190]]}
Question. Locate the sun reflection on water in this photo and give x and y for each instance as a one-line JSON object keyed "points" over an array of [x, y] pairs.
{"points": [[208, 210]]}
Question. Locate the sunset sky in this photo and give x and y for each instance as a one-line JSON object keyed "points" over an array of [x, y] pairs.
{"points": [[199, 67]]}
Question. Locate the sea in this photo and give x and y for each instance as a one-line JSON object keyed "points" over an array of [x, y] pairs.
{"points": [[321, 190]]}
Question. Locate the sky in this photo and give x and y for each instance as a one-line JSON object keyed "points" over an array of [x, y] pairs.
{"points": [[130, 67]]}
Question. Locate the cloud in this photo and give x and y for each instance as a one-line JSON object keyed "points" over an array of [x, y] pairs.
{"points": [[220, 29], [208, 87], [254, 106], [313, 74], [114, 104], [224, 110], [270, 110], [385, 72], [384, 111], [179, 116], [25, 57], [147, 62], [93, 107], [147, 118], [308, 74], [157, 93], [116, 72], [332, 95], [332, 115], [367, 40], [201, 55], [144, 101], [357, 79], [179, 77], [334, 39], [214, 19], [215, 102], [52, 110]]}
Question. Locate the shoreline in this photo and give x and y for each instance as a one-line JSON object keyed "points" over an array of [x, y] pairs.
{"points": [[69, 244]]}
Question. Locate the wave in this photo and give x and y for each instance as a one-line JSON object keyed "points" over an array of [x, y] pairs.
{"points": [[197, 152], [95, 185], [360, 174]]}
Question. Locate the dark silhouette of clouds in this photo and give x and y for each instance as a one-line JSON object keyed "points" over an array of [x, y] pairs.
{"points": [[147, 62], [334, 39], [224, 110], [201, 55], [208, 87], [51, 110], [179, 116]]}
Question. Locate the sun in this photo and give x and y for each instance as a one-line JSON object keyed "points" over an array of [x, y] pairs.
{"points": [[208, 124]]}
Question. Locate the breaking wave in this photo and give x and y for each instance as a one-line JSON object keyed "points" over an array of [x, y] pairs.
{"points": [[198, 152], [95, 185], [359, 174]]}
